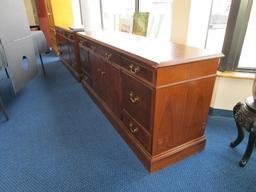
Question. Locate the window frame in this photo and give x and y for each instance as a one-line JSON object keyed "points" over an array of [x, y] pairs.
{"points": [[238, 20]]}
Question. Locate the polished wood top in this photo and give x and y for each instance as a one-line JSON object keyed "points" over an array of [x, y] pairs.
{"points": [[157, 53]]}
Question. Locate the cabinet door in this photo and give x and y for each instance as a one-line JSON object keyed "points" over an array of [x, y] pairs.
{"points": [[84, 59], [112, 88], [97, 74], [71, 53], [106, 82]]}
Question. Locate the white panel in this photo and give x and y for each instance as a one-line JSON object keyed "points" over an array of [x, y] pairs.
{"points": [[13, 20], [21, 74], [228, 91]]}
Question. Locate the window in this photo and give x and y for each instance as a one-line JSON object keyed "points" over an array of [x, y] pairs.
{"points": [[217, 25], [117, 15], [247, 59], [239, 37], [160, 17], [77, 13]]}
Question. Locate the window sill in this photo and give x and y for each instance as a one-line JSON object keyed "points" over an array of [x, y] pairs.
{"points": [[236, 75]]}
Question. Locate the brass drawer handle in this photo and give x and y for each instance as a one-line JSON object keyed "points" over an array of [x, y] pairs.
{"points": [[134, 69], [133, 97], [108, 56], [103, 73], [132, 128]]}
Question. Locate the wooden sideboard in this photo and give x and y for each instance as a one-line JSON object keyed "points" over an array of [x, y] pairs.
{"points": [[156, 94]]}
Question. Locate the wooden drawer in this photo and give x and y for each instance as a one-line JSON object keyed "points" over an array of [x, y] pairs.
{"points": [[105, 53], [136, 99], [137, 131], [137, 69], [111, 56]]}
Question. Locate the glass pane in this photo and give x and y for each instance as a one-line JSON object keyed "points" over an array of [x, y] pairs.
{"points": [[117, 15], [247, 59], [217, 25], [159, 25]]}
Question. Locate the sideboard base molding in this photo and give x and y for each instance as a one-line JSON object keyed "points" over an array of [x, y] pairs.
{"points": [[73, 72], [177, 153]]}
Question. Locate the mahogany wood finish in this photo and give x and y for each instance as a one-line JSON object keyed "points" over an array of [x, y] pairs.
{"points": [[68, 51], [156, 94]]}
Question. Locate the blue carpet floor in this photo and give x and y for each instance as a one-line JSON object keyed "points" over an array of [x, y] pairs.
{"points": [[58, 140]]}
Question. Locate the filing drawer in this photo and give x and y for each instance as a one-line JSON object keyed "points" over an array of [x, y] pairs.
{"points": [[137, 69], [105, 53], [137, 100], [137, 131]]}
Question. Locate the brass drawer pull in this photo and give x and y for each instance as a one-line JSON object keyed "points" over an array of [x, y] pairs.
{"points": [[133, 97], [132, 128], [134, 69], [103, 73], [108, 56]]}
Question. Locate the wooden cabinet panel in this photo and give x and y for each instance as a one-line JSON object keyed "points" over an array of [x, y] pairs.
{"points": [[112, 88], [97, 74], [84, 59], [106, 82], [71, 54], [137, 100]]}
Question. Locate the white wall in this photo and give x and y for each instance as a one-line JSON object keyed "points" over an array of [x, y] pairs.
{"points": [[228, 91]]}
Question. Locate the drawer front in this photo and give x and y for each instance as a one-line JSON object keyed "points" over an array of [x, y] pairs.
{"points": [[137, 69], [106, 53], [137, 131], [136, 99]]}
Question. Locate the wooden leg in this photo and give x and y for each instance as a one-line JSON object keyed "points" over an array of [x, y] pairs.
{"points": [[240, 136], [249, 149]]}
